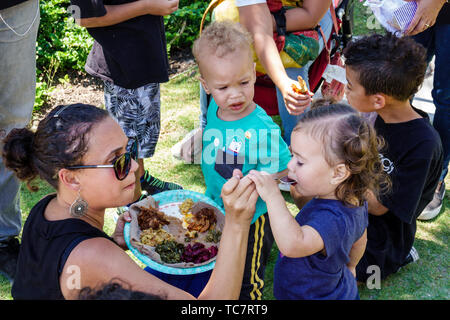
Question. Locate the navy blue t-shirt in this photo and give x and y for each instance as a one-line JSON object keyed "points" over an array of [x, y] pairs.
{"points": [[318, 276]]}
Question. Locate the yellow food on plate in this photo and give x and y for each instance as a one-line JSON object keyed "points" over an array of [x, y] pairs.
{"points": [[186, 206], [153, 237]]}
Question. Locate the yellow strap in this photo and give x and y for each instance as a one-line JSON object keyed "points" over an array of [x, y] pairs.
{"points": [[209, 9]]}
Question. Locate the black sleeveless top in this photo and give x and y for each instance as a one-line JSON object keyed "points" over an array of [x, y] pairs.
{"points": [[44, 250]]}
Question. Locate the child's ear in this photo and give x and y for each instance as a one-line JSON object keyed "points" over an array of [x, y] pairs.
{"points": [[203, 82], [340, 174], [69, 179], [378, 101]]}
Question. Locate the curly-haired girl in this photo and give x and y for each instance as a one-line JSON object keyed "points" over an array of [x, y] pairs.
{"points": [[335, 161]]}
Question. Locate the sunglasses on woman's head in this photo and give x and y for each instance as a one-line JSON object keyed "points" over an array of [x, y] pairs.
{"points": [[121, 164]]}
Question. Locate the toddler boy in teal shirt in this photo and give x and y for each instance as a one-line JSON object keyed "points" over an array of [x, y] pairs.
{"points": [[239, 134]]}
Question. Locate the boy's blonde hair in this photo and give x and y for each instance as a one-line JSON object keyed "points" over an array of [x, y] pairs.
{"points": [[222, 38]]}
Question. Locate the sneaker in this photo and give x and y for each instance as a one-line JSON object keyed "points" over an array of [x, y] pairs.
{"points": [[153, 185], [284, 184], [9, 253], [434, 207], [189, 149], [412, 256]]}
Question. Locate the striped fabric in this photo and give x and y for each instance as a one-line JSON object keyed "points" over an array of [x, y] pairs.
{"points": [[404, 14]]}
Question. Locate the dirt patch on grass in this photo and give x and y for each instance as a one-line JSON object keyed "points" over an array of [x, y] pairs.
{"points": [[84, 88]]}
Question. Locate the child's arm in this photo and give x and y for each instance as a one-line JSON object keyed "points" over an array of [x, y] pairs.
{"points": [[122, 12], [374, 206], [356, 252], [293, 240]]}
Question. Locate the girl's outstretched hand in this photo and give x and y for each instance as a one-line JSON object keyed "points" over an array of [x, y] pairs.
{"points": [[266, 185]]}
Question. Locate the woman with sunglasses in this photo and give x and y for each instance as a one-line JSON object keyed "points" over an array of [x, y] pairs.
{"points": [[81, 151]]}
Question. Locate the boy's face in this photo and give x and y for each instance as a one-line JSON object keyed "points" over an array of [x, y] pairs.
{"points": [[230, 80], [356, 94]]}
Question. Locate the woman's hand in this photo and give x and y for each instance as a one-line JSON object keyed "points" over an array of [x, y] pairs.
{"points": [[161, 7], [239, 198], [425, 17], [118, 233], [266, 185], [295, 103]]}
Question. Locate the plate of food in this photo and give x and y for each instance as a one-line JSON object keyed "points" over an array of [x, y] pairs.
{"points": [[175, 232]]}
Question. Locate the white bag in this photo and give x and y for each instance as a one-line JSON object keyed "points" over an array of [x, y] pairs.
{"points": [[394, 15]]}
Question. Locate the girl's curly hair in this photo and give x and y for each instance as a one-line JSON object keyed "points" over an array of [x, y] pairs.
{"points": [[348, 138]]}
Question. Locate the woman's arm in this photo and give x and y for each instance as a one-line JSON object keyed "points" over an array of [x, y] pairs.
{"points": [[239, 198], [118, 13], [97, 261], [256, 19], [425, 16], [308, 16]]}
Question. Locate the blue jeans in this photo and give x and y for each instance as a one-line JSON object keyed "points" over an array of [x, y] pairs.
{"points": [[437, 42], [288, 121], [194, 283], [17, 92]]}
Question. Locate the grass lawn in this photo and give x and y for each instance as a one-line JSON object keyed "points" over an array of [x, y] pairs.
{"points": [[426, 279]]}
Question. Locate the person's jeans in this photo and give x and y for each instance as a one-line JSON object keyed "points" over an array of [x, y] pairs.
{"points": [[288, 121], [17, 93], [437, 42]]}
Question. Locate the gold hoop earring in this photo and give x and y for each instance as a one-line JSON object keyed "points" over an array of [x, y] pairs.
{"points": [[79, 207]]}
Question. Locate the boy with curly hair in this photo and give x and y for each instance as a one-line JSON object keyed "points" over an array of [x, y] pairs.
{"points": [[239, 134], [383, 73]]}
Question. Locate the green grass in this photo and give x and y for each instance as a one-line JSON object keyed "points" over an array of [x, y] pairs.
{"points": [[426, 279]]}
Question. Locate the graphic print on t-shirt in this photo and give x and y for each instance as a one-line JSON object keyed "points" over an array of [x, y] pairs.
{"points": [[388, 165], [228, 159]]}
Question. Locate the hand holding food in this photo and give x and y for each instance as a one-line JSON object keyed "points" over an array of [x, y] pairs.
{"points": [[302, 89], [265, 184], [118, 232], [239, 198], [181, 234], [295, 99]]}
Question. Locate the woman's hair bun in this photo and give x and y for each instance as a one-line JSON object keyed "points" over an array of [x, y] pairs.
{"points": [[18, 152]]}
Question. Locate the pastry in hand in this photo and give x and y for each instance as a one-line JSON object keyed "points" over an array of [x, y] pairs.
{"points": [[303, 88]]}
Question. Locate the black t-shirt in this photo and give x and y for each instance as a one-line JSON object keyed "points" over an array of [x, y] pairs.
{"points": [[444, 15], [413, 159], [9, 3], [43, 252], [131, 53]]}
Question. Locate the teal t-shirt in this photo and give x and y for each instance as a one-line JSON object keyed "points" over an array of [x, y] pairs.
{"points": [[251, 143]]}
